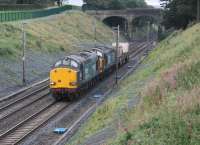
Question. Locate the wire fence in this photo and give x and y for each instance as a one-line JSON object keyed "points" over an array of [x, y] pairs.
{"points": [[6, 16]]}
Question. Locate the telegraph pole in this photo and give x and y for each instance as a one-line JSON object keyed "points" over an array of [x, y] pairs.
{"points": [[116, 34], [198, 10], [23, 53], [117, 49], [148, 34], [148, 31]]}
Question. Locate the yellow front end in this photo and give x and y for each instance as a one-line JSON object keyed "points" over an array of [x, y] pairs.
{"points": [[63, 78]]}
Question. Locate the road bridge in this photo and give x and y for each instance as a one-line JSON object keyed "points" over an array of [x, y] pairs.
{"points": [[125, 18]]}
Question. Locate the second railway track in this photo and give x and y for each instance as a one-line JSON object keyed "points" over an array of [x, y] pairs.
{"points": [[20, 97], [24, 128]]}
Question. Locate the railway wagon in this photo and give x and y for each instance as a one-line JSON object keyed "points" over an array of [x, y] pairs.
{"points": [[123, 52], [76, 73]]}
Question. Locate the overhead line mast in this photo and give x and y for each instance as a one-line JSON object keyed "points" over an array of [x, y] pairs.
{"points": [[198, 10]]}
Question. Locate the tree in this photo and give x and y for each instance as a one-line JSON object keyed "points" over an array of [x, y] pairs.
{"points": [[179, 13], [113, 4]]}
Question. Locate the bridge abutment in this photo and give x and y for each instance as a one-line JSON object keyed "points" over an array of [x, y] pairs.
{"points": [[130, 26]]}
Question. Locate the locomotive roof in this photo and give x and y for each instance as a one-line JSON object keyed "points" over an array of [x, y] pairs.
{"points": [[76, 57], [104, 49], [87, 54], [82, 56]]}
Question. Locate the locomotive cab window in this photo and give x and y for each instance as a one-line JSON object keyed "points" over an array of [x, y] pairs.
{"points": [[99, 54], [66, 62], [58, 63], [74, 64]]}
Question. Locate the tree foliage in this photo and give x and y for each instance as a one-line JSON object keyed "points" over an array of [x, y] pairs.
{"points": [[113, 4], [179, 13]]}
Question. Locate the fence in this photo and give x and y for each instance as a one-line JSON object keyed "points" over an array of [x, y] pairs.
{"points": [[6, 16], [16, 7]]}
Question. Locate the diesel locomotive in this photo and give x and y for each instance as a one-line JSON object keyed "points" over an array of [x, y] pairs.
{"points": [[76, 73]]}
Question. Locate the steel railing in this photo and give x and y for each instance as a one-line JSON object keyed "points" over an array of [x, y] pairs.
{"points": [[6, 16]]}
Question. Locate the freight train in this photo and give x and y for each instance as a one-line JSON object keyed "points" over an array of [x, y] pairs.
{"points": [[76, 73]]}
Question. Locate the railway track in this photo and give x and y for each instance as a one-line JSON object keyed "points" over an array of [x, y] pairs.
{"points": [[17, 116], [139, 49], [13, 104], [72, 128], [23, 94], [17, 133], [24, 128], [18, 104]]}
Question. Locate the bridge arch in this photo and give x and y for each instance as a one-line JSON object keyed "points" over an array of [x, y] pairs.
{"points": [[114, 21], [144, 25]]}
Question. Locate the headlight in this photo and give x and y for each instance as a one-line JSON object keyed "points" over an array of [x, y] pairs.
{"points": [[52, 83]]}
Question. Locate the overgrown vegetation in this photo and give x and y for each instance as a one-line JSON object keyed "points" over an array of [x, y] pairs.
{"points": [[168, 83], [179, 13]]}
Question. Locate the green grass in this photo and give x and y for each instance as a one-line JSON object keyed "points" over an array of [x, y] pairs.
{"points": [[60, 33], [168, 83]]}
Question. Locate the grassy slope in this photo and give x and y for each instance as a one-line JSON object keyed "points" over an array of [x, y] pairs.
{"points": [[48, 39], [52, 34], [168, 83]]}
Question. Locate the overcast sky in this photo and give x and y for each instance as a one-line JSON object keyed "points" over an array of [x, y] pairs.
{"points": [[155, 3], [150, 2]]}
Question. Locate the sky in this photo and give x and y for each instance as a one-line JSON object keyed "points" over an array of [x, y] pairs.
{"points": [[155, 3], [149, 2], [76, 2]]}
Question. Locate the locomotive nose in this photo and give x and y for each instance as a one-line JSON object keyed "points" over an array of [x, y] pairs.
{"points": [[63, 78]]}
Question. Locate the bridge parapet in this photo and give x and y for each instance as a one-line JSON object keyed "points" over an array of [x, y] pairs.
{"points": [[127, 11], [133, 13]]}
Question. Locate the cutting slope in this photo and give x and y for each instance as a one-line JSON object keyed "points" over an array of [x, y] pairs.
{"points": [[168, 85]]}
